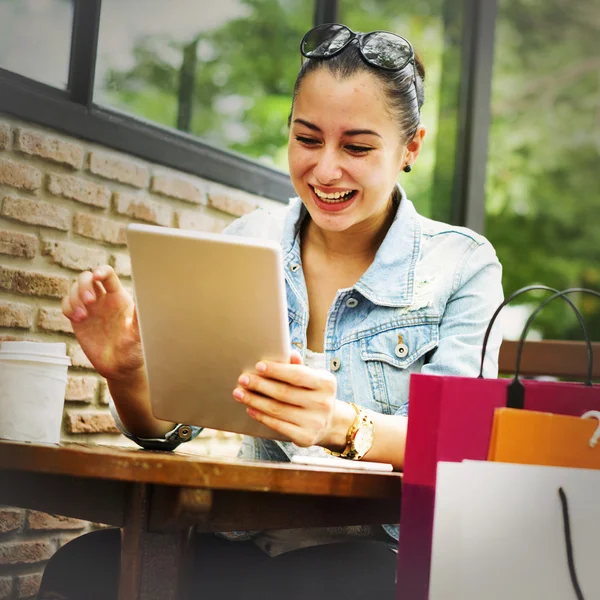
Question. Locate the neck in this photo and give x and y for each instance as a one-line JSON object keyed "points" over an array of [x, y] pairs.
{"points": [[359, 243]]}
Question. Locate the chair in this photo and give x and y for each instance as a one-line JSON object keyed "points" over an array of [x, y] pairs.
{"points": [[550, 357]]}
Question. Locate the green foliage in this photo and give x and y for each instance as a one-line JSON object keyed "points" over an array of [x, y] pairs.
{"points": [[542, 196]]}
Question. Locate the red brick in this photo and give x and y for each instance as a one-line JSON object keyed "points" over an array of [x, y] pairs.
{"points": [[11, 519], [99, 228], [52, 319], [78, 358], [6, 586], [25, 552], [13, 314], [178, 187], [15, 338], [117, 168], [81, 388], [40, 520], [33, 283], [49, 147], [4, 139], [90, 422], [68, 537], [105, 396], [143, 209], [121, 263], [27, 586], [190, 219], [74, 256], [23, 245], [232, 203], [20, 175], [36, 213], [81, 190]]}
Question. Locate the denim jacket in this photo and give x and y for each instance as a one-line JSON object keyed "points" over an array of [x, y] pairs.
{"points": [[421, 307]]}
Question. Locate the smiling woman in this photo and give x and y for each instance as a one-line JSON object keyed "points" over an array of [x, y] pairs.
{"points": [[375, 292]]}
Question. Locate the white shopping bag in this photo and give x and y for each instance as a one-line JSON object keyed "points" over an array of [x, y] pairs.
{"points": [[520, 532]]}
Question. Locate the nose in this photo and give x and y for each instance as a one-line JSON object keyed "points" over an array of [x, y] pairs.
{"points": [[328, 169]]}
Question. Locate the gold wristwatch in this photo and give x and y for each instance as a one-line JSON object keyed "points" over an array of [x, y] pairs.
{"points": [[360, 436]]}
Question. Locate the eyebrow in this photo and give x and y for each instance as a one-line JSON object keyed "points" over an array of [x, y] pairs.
{"points": [[349, 132]]}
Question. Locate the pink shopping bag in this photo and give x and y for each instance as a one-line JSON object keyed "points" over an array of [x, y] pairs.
{"points": [[451, 419]]}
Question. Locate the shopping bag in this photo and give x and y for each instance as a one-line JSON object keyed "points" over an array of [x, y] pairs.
{"points": [[515, 531], [450, 419], [536, 438]]}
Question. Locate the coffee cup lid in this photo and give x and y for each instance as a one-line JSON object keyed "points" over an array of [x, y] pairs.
{"points": [[35, 351]]}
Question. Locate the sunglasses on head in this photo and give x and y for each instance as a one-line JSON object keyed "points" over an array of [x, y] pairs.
{"points": [[380, 49]]}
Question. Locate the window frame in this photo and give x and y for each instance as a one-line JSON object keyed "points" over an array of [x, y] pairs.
{"points": [[73, 112]]}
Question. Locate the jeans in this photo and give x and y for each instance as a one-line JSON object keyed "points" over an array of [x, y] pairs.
{"points": [[87, 568]]}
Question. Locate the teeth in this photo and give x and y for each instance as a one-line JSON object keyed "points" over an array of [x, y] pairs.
{"points": [[334, 196]]}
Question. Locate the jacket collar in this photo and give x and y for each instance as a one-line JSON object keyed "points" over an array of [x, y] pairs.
{"points": [[389, 281]]}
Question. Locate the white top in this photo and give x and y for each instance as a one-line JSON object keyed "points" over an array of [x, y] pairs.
{"points": [[315, 360]]}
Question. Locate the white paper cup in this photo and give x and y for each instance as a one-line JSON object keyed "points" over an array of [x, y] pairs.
{"points": [[33, 381]]}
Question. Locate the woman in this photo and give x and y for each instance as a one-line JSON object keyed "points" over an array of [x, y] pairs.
{"points": [[375, 292]]}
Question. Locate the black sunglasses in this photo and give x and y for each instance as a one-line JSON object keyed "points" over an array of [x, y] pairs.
{"points": [[380, 49]]}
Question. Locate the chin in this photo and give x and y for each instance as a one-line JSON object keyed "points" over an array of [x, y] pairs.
{"points": [[332, 223]]}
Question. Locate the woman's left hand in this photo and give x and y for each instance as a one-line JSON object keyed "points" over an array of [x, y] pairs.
{"points": [[292, 399]]}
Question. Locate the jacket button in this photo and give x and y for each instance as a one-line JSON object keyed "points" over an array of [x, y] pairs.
{"points": [[184, 432], [295, 267], [351, 302], [336, 363], [401, 350]]}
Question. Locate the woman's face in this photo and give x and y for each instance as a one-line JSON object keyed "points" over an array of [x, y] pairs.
{"points": [[344, 151]]}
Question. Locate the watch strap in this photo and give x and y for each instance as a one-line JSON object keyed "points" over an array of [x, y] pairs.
{"points": [[361, 420]]}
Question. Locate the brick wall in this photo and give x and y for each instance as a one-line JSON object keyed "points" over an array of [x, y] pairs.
{"points": [[64, 204]]}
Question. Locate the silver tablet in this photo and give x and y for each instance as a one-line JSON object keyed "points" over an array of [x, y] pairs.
{"points": [[210, 306]]}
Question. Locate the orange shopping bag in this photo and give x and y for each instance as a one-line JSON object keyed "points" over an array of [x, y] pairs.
{"points": [[538, 438]]}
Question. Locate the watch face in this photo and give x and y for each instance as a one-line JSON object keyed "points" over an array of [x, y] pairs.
{"points": [[363, 440]]}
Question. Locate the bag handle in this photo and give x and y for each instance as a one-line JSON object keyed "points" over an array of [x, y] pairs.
{"points": [[516, 390], [508, 300]]}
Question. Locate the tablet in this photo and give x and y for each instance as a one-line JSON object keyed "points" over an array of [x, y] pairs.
{"points": [[210, 306]]}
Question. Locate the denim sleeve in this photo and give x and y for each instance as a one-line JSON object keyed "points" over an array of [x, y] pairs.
{"points": [[477, 294], [150, 443]]}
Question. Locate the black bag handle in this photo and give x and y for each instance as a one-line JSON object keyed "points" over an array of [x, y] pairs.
{"points": [[508, 300], [516, 390]]}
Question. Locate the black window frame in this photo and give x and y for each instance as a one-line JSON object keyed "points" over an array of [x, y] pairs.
{"points": [[73, 112]]}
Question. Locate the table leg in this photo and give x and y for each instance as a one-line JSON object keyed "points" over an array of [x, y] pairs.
{"points": [[153, 565]]}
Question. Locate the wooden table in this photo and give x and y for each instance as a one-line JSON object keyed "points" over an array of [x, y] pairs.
{"points": [[158, 498]]}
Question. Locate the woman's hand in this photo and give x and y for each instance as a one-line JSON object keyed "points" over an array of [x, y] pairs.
{"points": [[292, 399], [105, 323]]}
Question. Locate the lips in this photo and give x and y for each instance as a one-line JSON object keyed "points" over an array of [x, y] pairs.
{"points": [[333, 204]]}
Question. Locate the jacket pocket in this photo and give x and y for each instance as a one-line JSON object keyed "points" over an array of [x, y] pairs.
{"points": [[391, 355]]}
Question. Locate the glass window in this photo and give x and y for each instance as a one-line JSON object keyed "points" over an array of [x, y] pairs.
{"points": [[223, 71], [36, 39], [422, 24], [542, 192]]}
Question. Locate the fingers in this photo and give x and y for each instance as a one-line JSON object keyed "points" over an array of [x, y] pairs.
{"points": [[297, 375], [289, 430], [295, 357], [269, 406], [88, 287], [80, 295], [273, 389], [108, 278], [293, 422]]}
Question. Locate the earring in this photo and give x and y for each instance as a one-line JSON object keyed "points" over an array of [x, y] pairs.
{"points": [[407, 169]]}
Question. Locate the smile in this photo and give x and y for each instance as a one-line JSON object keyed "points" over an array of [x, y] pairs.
{"points": [[335, 196]]}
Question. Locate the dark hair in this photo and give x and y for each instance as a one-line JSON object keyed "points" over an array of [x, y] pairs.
{"points": [[403, 100]]}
